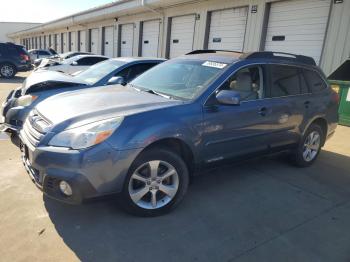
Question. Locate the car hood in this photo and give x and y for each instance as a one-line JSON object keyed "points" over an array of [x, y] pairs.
{"points": [[89, 105], [48, 79]]}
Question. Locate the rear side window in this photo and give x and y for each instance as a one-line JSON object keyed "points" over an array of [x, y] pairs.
{"points": [[90, 60], [43, 53], [286, 81], [314, 80], [137, 70]]}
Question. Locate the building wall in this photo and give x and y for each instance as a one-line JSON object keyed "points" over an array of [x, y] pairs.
{"points": [[336, 47], [9, 27]]}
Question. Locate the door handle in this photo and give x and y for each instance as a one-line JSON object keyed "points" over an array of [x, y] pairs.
{"points": [[262, 111], [307, 104]]}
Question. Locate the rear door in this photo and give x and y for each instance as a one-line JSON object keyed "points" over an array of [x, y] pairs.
{"points": [[289, 99]]}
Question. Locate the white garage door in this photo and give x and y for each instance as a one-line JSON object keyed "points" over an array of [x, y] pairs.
{"points": [[298, 26], [126, 40], [94, 41], [227, 29], [73, 41], [108, 41], [82, 39], [150, 38], [65, 42], [58, 43], [47, 41], [181, 36], [42, 41]]}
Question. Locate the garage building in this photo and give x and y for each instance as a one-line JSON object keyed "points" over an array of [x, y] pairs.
{"points": [[169, 28]]}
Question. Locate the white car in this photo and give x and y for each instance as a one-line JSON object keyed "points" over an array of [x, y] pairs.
{"points": [[40, 53], [71, 65]]}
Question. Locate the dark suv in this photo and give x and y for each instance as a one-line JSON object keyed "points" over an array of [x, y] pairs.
{"points": [[13, 58], [146, 139]]}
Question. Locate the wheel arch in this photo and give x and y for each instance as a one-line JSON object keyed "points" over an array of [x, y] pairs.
{"points": [[322, 122], [178, 146]]}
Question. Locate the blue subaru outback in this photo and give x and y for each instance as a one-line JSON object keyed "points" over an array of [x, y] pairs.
{"points": [[146, 139]]}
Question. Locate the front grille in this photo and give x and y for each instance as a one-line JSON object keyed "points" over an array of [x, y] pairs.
{"points": [[51, 183], [35, 127]]}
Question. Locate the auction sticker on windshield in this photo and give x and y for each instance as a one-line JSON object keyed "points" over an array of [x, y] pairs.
{"points": [[214, 64]]}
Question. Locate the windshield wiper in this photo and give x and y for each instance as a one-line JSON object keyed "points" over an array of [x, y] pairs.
{"points": [[150, 91]]}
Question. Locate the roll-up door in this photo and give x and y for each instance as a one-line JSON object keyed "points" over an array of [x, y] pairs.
{"points": [[82, 41], [298, 27], [108, 41], [126, 40], [181, 35], [73, 41], [150, 38], [59, 43], [65, 42], [94, 41], [227, 29]]}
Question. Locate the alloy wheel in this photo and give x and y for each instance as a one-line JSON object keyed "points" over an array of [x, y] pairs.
{"points": [[154, 184], [311, 146], [7, 71]]}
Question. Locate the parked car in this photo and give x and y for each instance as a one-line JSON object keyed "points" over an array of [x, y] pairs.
{"points": [[13, 58], [146, 139], [60, 57], [40, 54], [73, 64], [43, 84]]}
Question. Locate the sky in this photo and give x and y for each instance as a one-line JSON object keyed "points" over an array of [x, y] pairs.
{"points": [[43, 10]]}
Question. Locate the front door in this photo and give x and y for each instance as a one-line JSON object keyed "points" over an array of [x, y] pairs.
{"points": [[233, 130]]}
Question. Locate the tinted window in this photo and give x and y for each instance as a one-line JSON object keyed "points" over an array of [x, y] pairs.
{"points": [[43, 53], [248, 82], [90, 60], [286, 81], [134, 71], [314, 80]]}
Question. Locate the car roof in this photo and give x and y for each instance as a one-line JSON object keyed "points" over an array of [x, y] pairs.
{"points": [[140, 59], [253, 57], [222, 57], [82, 56]]}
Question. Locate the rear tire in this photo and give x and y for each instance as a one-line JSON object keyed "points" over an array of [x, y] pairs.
{"points": [[156, 183], [309, 147], [7, 70]]}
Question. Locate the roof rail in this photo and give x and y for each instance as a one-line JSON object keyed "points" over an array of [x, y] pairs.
{"points": [[210, 51], [280, 55]]}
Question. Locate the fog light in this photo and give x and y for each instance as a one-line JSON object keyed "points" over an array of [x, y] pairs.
{"points": [[65, 188]]}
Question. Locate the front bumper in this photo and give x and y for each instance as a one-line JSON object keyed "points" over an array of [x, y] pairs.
{"points": [[91, 173]]}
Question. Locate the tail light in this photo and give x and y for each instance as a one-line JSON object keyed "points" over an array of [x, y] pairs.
{"points": [[335, 97], [24, 57]]}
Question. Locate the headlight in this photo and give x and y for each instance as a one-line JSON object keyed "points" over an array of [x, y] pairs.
{"points": [[87, 135], [25, 100]]}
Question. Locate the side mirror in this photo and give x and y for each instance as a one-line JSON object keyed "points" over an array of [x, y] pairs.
{"points": [[74, 63], [116, 80], [228, 97]]}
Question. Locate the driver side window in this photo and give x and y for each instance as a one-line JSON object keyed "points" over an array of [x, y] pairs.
{"points": [[248, 82]]}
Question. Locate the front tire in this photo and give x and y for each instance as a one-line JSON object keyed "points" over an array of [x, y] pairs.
{"points": [[7, 71], [156, 183], [309, 146]]}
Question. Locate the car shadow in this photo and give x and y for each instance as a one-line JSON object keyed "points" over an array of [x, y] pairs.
{"points": [[16, 80], [227, 211]]}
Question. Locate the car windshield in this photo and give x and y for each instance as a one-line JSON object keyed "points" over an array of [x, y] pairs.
{"points": [[98, 71], [179, 78]]}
